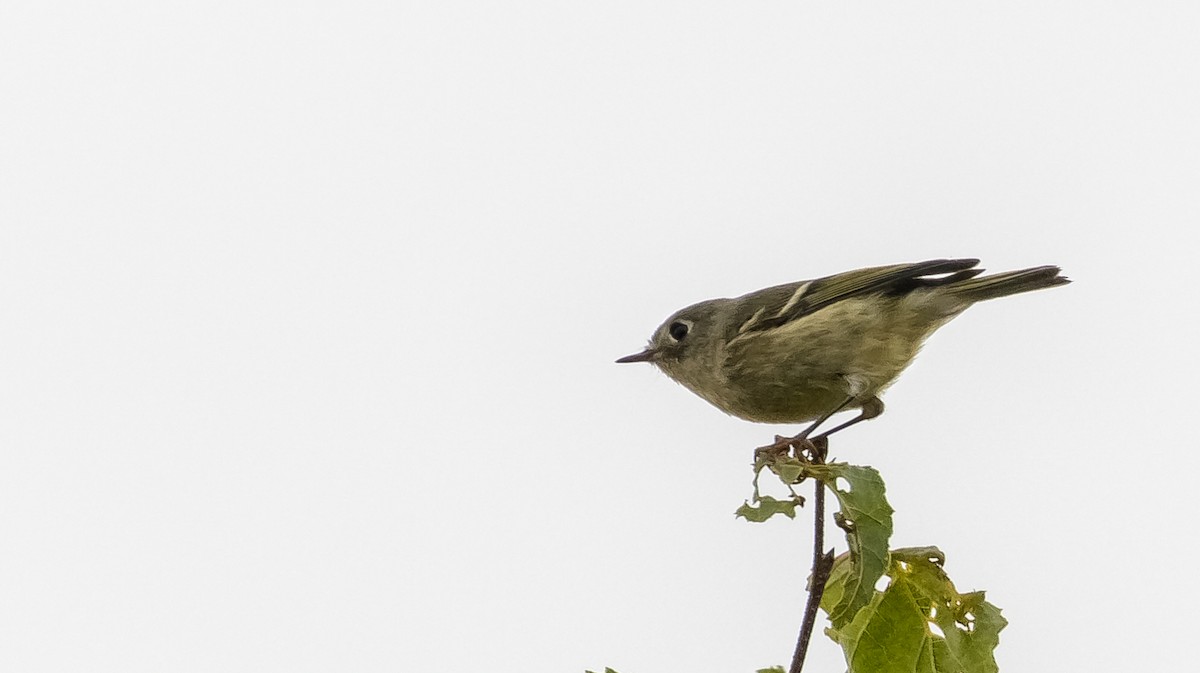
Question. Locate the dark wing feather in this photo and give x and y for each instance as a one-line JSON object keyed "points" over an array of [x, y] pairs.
{"points": [[777, 305]]}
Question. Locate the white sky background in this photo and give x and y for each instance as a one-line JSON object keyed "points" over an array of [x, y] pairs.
{"points": [[308, 314]]}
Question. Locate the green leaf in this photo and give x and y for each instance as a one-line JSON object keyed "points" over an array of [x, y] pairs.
{"points": [[773, 669], [787, 468], [893, 633], [866, 518], [766, 508]]}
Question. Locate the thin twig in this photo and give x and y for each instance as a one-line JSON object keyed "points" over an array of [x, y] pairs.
{"points": [[821, 566]]}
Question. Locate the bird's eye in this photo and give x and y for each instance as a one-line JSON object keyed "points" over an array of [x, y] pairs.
{"points": [[678, 330]]}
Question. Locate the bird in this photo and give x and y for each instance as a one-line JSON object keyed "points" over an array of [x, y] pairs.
{"points": [[804, 351]]}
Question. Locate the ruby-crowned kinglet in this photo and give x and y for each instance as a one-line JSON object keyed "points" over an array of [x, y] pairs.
{"points": [[804, 351]]}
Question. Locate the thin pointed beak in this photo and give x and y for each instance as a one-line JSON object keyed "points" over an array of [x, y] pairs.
{"points": [[647, 355]]}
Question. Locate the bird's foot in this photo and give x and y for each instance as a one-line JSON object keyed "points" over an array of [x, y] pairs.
{"points": [[804, 449]]}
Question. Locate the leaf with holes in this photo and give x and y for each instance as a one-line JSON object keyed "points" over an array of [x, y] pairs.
{"points": [[920, 623], [766, 508], [866, 518]]}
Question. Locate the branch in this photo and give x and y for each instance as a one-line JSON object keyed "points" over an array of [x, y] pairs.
{"points": [[822, 562]]}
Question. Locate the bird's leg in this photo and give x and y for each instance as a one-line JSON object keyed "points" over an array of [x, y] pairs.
{"points": [[871, 408], [817, 446], [809, 430], [800, 442]]}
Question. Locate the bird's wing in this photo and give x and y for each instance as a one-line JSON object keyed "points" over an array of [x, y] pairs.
{"points": [[777, 305]]}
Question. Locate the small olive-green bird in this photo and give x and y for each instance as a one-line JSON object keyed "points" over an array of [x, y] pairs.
{"points": [[804, 351]]}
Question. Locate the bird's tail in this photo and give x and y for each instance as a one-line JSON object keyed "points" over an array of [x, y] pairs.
{"points": [[972, 290]]}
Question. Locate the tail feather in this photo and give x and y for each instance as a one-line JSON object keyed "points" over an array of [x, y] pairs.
{"points": [[1004, 284]]}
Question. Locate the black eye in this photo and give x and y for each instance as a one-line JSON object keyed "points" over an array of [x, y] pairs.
{"points": [[678, 330]]}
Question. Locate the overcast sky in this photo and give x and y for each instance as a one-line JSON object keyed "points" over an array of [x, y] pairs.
{"points": [[308, 314]]}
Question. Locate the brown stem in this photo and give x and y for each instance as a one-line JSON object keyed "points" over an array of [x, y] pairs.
{"points": [[821, 566]]}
